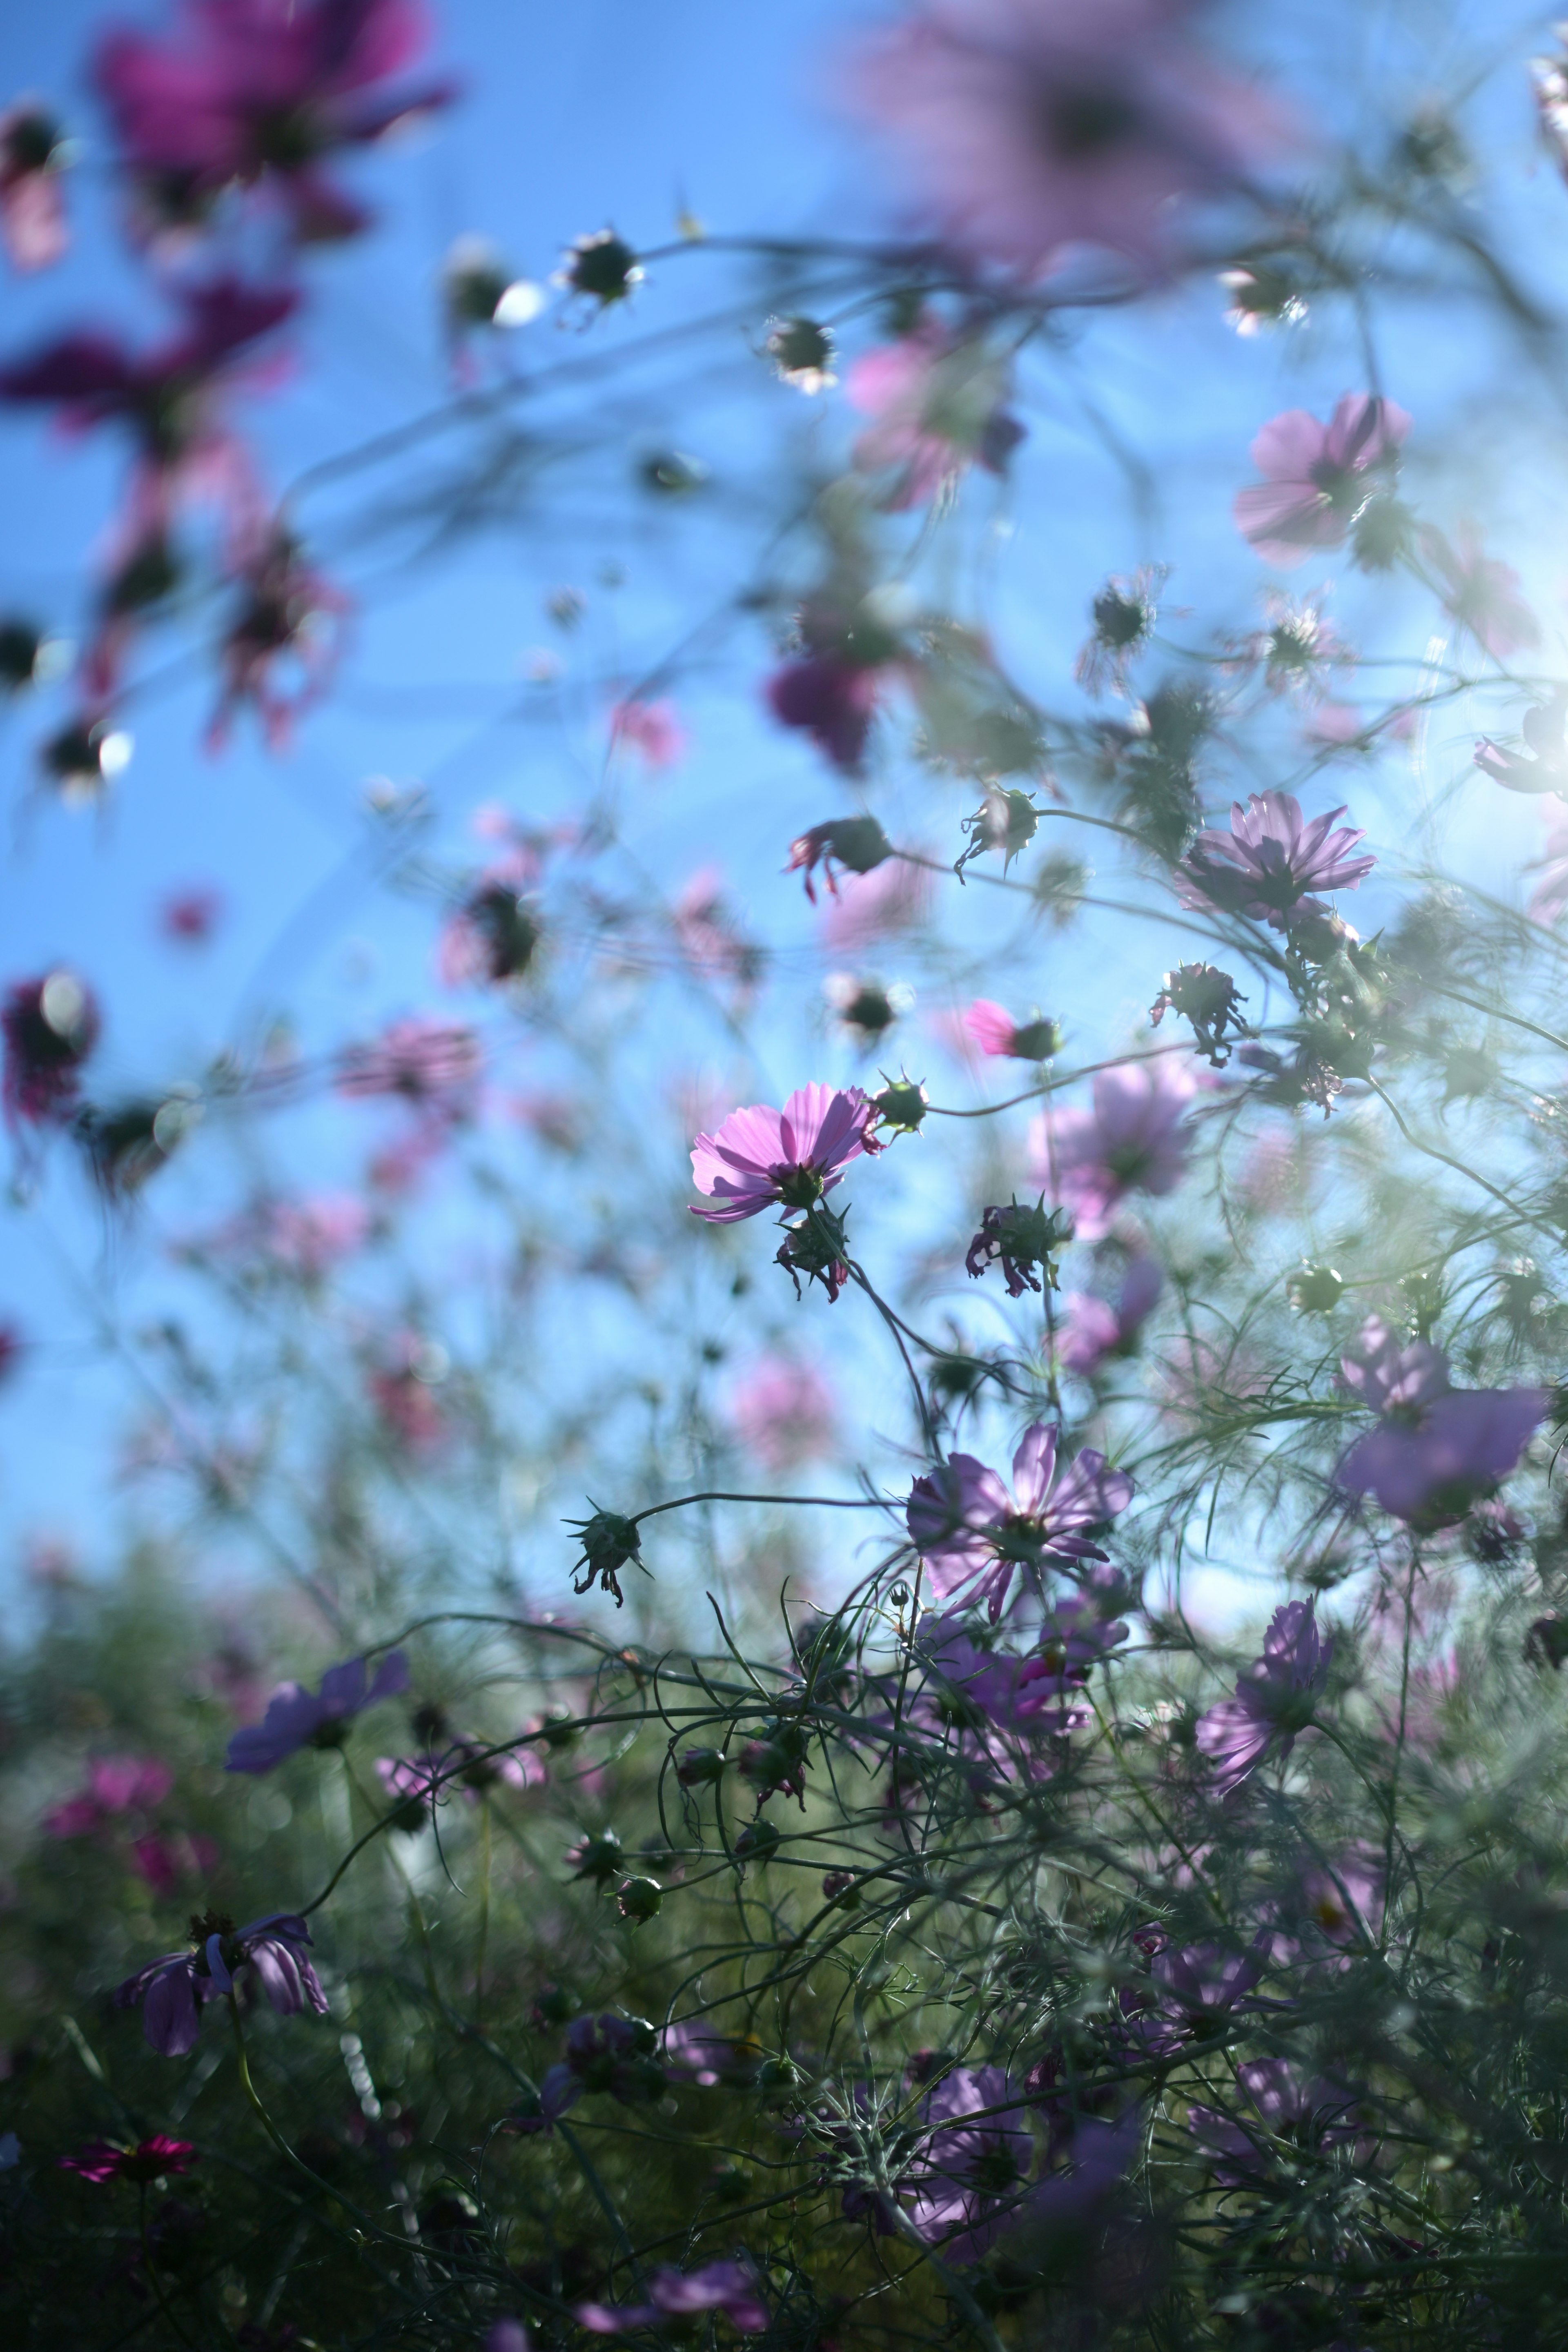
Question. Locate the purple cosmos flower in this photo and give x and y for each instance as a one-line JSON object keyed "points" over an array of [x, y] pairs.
{"points": [[1133, 1139], [1544, 769], [1093, 1328], [1101, 2152], [1269, 861], [297, 1718], [1198, 1991], [762, 1156], [727, 2287], [507, 2335], [173, 1989], [150, 2159], [1318, 477], [854, 844], [1310, 2114], [940, 405], [831, 700], [709, 2058], [32, 211], [1274, 1698], [972, 1534], [260, 92], [994, 1031], [608, 2053], [50, 1026], [1037, 1693], [1039, 126], [974, 2163], [1435, 1449]]}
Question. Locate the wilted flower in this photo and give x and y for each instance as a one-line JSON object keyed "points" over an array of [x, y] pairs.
{"points": [[830, 700], [1484, 596], [50, 1026], [1092, 1328], [785, 1412], [1038, 128], [33, 155], [1124, 614], [761, 1156], [1007, 821], [940, 405], [1021, 1238], [1208, 998], [1270, 860], [1318, 479], [173, 1991], [259, 94], [972, 1534], [610, 1542], [1274, 1698], [994, 1031], [726, 2287], [297, 1718], [1545, 768], [857, 844], [1435, 1449], [150, 2159], [1134, 1140]]}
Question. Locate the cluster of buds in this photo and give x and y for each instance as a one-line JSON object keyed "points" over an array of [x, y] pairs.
{"points": [[776, 1762]]}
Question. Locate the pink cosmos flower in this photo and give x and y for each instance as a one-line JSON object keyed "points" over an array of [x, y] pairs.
{"points": [[1484, 596], [1133, 1139], [966, 2181], [115, 1785], [1270, 860], [870, 906], [1318, 477], [32, 208], [651, 727], [761, 1157], [1038, 126], [434, 1065], [727, 2287], [972, 1534], [995, 1032], [1435, 1449], [1274, 1699], [785, 1413], [251, 93], [1093, 1328], [150, 2159], [940, 405]]}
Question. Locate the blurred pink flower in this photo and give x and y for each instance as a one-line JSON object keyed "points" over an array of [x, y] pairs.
{"points": [[940, 404], [1318, 477], [49, 1026], [434, 1065], [1037, 126], [1550, 895], [1270, 859], [785, 1412], [260, 93], [189, 917], [651, 727], [1274, 1698], [1132, 1140], [995, 1032], [869, 907], [830, 700], [708, 932], [760, 1157], [32, 206], [403, 1390], [1544, 766], [1435, 1449], [1484, 596], [490, 939], [1093, 1328]]}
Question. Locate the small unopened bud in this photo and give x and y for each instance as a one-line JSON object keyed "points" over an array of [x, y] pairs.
{"points": [[802, 353], [609, 1543], [842, 1887], [758, 1841], [554, 2006], [901, 1106], [639, 1898], [700, 1767], [1316, 1290], [598, 1858], [602, 266]]}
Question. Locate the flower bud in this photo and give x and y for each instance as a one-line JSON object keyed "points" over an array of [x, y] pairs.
{"points": [[609, 1542], [842, 1887], [602, 266], [759, 1841], [598, 1858], [700, 1767], [902, 1105], [802, 353], [639, 1899], [554, 2007], [1316, 1290]]}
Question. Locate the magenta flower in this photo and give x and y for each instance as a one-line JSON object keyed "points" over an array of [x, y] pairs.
{"points": [[50, 1026], [434, 1065], [972, 1534], [1544, 769], [1133, 1140], [939, 403], [150, 2159], [1093, 1328], [1270, 860], [297, 1718], [762, 1156], [32, 209], [1040, 1692], [727, 2287], [1274, 1698], [1037, 126], [115, 1785], [995, 1032], [1484, 596], [1318, 478], [250, 93], [189, 917], [832, 700], [173, 1991], [1435, 1449]]}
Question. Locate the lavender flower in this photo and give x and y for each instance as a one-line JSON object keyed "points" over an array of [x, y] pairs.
{"points": [[173, 1991], [727, 2287], [761, 1156], [1093, 1328], [974, 2163], [1318, 479], [995, 1032], [972, 1534], [1484, 596], [297, 1718], [1039, 126], [1270, 860], [940, 405], [1435, 1449], [1274, 1698], [1198, 1991], [1310, 2115], [608, 2053], [433, 1065], [1133, 1139]]}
